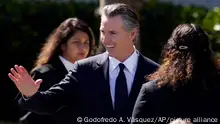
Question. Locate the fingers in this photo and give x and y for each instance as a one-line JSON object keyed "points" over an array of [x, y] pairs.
{"points": [[12, 78], [17, 69], [23, 70], [16, 75], [38, 82]]}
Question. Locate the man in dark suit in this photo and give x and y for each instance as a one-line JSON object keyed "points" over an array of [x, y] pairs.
{"points": [[102, 88]]}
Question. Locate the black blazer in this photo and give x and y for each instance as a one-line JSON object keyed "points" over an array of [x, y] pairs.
{"points": [[51, 73], [87, 89], [188, 102]]}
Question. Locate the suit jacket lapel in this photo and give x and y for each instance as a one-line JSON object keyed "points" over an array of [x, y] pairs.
{"points": [[104, 83], [138, 80], [60, 66], [144, 68]]}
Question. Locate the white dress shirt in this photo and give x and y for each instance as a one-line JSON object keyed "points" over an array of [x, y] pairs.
{"points": [[130, 70], [68, 65]]}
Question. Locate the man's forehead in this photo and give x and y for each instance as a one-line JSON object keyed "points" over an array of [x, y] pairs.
{"points": [[103, 18], [111, 22], [110, 28]]}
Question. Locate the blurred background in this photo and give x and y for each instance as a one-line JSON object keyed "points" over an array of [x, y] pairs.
{"points": [[25, 25]]}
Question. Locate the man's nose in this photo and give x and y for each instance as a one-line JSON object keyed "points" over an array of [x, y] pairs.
{"points": [[106, 39]]}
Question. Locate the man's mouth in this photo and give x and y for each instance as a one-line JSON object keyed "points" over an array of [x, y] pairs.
{"points": [[109, 46]]}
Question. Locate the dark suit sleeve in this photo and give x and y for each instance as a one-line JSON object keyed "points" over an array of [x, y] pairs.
{"points": [[57, 96]]}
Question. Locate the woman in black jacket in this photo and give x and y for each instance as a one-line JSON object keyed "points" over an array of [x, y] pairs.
{"points": [[187, 83], [72, 40]]}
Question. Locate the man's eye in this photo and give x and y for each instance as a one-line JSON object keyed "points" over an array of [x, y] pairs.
{"points": [[112, 32], [102, 31]]}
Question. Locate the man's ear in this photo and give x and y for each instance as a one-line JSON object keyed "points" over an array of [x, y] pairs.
{"points": [[133, 33]]}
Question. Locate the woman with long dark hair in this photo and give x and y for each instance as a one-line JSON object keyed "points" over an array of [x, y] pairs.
{"points": [[72, 40], [186, 85]]}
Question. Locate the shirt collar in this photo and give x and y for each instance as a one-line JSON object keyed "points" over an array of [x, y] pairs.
{"points": [[130, 63], [68, 65]]}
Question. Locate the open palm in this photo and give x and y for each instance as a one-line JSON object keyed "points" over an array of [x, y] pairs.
{"points": [[23, 81]]}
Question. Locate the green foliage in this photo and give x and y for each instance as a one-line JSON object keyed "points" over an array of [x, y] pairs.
{"points": [[159, 19], [211, 20]]}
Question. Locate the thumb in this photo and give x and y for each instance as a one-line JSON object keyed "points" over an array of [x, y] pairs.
{"points": [[38, 82]]}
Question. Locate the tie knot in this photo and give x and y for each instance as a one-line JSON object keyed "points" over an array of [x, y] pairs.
{"points": [[121, 66]]}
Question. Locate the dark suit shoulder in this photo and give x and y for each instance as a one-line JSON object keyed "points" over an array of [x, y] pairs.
{"points": [[153, 63], [92, 61], [147, 65], [150, 86], [43, 69], [155, 93]]}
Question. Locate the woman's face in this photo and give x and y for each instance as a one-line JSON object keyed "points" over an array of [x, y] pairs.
{"points": [[77, 47]]}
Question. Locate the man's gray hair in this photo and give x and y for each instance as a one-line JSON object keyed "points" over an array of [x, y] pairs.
{"points": [[128, 15]]}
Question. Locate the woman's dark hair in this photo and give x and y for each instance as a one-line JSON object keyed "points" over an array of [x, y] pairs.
{"points": [[186, 56], [52, 47]]}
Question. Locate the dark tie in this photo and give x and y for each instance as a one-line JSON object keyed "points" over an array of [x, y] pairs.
{"points": [[121, 91]]}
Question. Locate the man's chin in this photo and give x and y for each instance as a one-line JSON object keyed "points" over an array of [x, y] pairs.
{"points": [[110, 53]]}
